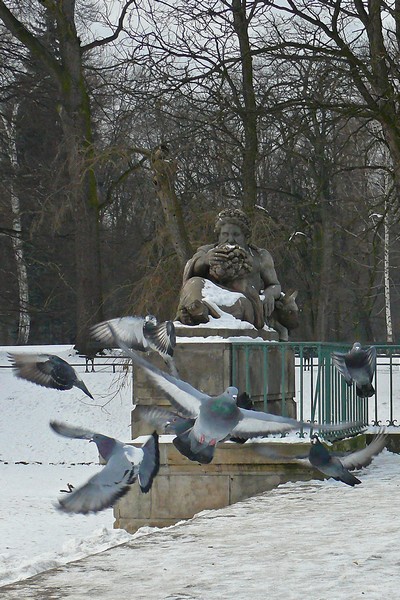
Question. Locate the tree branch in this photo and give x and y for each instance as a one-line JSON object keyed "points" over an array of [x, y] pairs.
{"points": [[16, 28], [114, 36]]}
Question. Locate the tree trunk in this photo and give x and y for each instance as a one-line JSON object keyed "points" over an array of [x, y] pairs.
{"points": [[164, 169], [76, 122], [249, 111], [24, 320], [66, 68], [386, 275]]}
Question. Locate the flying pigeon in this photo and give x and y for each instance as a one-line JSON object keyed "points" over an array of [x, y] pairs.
{"points": [[140, 333], [339, 467], [331, 464], [358, 365], [124, 464], [48, 370], [216, 418]]}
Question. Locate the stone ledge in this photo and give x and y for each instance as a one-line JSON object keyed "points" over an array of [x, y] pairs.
{"points": [[183, 488], [202, 331]]}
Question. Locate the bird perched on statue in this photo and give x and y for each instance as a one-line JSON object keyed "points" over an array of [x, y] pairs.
{"points": [[47, 370], [216, 418], [140, 333], [357, 366], [124, 465], [333, 465]]}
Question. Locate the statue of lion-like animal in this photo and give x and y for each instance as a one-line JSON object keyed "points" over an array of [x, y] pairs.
{"points": [[285, 315]]}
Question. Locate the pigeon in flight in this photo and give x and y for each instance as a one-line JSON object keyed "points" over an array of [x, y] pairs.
{"points": [[140, 333], [339, 467], [333, 465], [216, 418], [358, 365], [47, 370], [124, 465]]}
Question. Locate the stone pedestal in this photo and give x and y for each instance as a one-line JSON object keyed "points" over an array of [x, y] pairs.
{"points": [[208, 362], [183, 488]]}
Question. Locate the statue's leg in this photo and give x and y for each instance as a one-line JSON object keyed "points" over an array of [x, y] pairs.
{"points": [[253, 297], [242, 309], [191, 308], [197, 299]]}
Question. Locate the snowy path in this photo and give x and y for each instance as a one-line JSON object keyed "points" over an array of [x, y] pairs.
{"points": [[314, 540]]}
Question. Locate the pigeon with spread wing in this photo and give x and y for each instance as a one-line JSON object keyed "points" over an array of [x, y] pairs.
{"points": [[124, 465], [47, 370], [358, 366]]}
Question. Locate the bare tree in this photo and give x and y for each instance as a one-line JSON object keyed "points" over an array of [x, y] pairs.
{"points": [[362, 41], [64, 63], [205, 52]]}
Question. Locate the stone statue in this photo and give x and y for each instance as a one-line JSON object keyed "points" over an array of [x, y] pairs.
{"points": [[232, 275]]}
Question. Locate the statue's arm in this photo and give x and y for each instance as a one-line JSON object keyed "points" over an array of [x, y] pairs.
{"points": [[199, 264], [272, 287]]}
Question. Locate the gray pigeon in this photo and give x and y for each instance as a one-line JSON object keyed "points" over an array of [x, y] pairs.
{"points": [[216, 418], [140, 333], [357, 366], [333, 465], [339, 467], [47, 370], [124, 465]]}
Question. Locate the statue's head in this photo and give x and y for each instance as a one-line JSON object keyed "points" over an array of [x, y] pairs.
{"points": [[233, 216]]}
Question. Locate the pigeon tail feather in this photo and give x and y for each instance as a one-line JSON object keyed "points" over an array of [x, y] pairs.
{"points": [[348, 478]]}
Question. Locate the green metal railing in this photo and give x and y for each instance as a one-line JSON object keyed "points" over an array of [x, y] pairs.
{"points": [[320, 392]]}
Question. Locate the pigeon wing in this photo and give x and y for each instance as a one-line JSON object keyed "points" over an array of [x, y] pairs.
{"points": [[183, 396], [128, 329], [70, 431], [338, 359], [255, 423], [102, 490], [161, 418], [161, 337], [36, 368], [150, 464], [370, 353], [364, 457]]}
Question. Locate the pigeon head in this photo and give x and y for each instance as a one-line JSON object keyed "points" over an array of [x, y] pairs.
{"points": [[356, 346], [150, 319], [314, 439], [105, 445], [232, 392], [223, 407]]}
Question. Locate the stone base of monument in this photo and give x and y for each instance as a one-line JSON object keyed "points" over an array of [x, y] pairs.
{"points": [[183, 488], [204, 357], [205, 360]]}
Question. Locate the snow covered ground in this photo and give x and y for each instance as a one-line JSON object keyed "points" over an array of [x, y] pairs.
{"points": [[33, 535], [321, 540]]}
